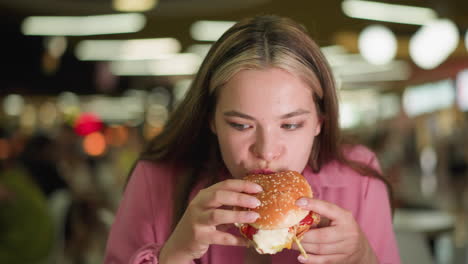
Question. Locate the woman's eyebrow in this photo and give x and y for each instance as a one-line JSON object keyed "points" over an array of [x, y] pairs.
{"points": [[295, 113], [233, 113]]}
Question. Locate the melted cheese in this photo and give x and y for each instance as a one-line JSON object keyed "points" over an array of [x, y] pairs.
{"points": [[272, 241]]}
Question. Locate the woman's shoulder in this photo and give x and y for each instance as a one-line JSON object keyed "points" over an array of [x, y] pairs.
{"points": [[153, 173], [359, 153], [350, 185], [338, 174], [153, 182], [153, 166]]}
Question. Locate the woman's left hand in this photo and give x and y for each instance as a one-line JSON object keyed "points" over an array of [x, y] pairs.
{"points": [[341, 242]]}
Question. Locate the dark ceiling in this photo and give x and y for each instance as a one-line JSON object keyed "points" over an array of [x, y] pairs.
{"points": [[171, 18]]}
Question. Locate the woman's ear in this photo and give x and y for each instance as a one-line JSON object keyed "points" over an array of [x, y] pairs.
{"points": [[213, 126], [318, 128]]}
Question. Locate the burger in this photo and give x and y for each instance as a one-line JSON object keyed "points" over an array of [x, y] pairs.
{"points": [[281, 222]]}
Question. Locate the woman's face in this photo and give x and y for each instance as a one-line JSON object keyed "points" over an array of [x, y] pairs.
{"points": [[265, 121]]}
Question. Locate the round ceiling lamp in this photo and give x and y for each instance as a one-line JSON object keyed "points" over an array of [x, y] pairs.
{"points": [[377, 44], [433, 43]]}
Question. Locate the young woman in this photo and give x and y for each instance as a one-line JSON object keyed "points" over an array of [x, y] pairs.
{"points": [[264, 99]]}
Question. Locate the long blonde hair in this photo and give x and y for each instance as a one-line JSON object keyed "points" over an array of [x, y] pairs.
{"points": [[253, 43]]}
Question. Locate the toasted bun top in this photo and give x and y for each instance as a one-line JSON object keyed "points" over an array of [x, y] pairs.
{"points": [[278, 198]]}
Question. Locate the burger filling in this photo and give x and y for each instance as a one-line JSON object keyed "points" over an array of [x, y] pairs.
{"points": [[273, 241], [308, 220]]}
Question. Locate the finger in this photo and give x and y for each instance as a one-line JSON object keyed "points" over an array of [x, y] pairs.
{"points": [[223, 227], [323, 249], [237, 185], [219, 216], [329, 210], [320, 259], [217, 198], [324, 222], [226, 239], [325, 235]]}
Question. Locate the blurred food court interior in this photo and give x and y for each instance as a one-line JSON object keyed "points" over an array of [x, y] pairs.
{"points": [[85, 84]]}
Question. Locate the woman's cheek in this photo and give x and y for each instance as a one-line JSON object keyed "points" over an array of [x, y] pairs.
{"points": [[231, 141], [302, 143]]}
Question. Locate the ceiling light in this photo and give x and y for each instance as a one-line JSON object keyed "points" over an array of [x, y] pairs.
{"points": [[199, 49], [357, 70], [377, 44], [180, 64], [135, 49], [209, 30], [82, 25], [134, 5], [56, 45], [462, 90], [387, 12], [429, 97], [13, 104], [433, 43], [336, 55], [349, 116]]}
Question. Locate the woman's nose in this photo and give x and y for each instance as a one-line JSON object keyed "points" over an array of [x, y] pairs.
{"points": [[267, 146]]}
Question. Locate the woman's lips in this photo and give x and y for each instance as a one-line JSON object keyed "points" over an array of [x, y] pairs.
{"points": [[261, 171]]}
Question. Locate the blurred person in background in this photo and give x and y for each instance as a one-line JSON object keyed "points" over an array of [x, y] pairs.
{"points": [[263, 99], [26, 227], [85, 229], [40, 159], [394, 144], [85, 232], [457, 166]]}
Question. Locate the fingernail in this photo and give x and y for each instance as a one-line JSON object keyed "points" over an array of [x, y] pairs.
{"points": [[252, 216], [258, 188], [301, 202], [255, 202], [301, 259]]}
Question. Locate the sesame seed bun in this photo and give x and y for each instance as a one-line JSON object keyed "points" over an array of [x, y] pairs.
{"points": [[278, 198]]}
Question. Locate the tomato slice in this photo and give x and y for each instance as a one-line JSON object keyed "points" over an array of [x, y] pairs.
{"points": [[308, 220], [249, 231]]}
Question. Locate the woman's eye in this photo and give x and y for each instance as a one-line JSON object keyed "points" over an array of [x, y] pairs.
{"points": [[291, 126], [238, 126]]}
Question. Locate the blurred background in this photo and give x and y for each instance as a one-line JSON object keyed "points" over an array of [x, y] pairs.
{"points": [[85, 84]]}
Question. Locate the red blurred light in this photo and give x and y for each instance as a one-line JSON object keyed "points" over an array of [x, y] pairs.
{"points": [[87, 123]]}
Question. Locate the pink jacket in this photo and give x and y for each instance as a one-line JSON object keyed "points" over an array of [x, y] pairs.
{"points": [[143, 220]]}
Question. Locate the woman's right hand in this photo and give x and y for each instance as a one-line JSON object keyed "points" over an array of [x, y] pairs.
{"points": [[198, 227]]}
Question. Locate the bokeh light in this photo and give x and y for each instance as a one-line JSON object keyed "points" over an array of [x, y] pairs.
{"points": [[116, 135], [48, 114], [377, 44], [13, 104], [28, 119], [433, 43], [157, 115], [94, 144], [87, 123]]}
